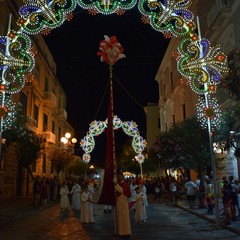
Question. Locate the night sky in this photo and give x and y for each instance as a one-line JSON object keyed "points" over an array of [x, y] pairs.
{"points": [[84, 77]]}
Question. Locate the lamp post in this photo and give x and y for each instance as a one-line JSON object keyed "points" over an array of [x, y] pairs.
{"points": [[67, 141], [68, 144]]}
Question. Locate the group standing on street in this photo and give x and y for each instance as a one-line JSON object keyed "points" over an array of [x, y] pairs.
{"points": [[134, 193]]}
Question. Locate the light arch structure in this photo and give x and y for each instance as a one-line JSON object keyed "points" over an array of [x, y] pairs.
{"points": [[197, 61], [130, 128]]}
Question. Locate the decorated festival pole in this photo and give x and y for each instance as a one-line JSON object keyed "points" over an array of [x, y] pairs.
{"points": [[213, 162], [112, 116], [110, 51]]}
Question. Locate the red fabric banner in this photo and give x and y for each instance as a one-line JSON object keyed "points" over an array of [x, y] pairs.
{"points": [[108, 192]]}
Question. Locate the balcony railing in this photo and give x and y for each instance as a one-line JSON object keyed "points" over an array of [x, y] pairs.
{"points": [[50, 99], [31, 124], [50, 137], [62, 114]]}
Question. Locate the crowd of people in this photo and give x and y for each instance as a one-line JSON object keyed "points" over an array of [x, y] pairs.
{"points": [[72, 194], [134, 194]]}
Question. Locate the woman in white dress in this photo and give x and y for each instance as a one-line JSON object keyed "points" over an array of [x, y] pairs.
{"points": [[76, 189], [64, 201], [140, 212], [86, 207], [143, 189]]}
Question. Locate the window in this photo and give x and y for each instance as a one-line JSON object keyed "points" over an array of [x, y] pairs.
{"points": [[45, 122], [171, 76], [23, 100], [44, 163], [59, 134], [184, 111], [46, 86], [159, 123], [173, 119], [53, 127], [36, 112], [34, 166]]}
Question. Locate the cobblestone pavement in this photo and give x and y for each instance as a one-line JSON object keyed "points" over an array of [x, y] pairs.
{"points": [[165, 221], [50, 224]]}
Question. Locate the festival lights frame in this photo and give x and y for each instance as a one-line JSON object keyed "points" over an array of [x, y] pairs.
{"points": [[96, 128], [197, 61]]}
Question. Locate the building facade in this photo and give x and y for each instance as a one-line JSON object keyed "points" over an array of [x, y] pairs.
{"points": [[152, 122], [43, 101]]}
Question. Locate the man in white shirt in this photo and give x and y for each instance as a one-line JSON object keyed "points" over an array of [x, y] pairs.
{"points": [[190, 191]]}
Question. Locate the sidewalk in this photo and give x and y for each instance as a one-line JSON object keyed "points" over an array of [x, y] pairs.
{"points": [[202, 213], [17, 208]]}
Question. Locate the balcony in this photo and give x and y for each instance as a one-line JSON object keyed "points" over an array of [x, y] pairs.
{"points": [[31, 124], [50, 99], [62, 114], [50, 137]]}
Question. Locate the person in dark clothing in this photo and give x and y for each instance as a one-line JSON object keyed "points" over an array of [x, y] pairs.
{"points": [[37, 192]]}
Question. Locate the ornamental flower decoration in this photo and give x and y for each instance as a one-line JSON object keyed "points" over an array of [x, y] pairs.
{"points": [[110, 50]]}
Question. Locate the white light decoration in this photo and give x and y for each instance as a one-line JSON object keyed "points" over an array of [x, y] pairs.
{"points": [[40, 16], [209, 109], [201, 64], [172, 18], [7, 111], [98, 127]]}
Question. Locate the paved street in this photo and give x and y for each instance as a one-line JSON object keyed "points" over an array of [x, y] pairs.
{"points": [[164, 222]]}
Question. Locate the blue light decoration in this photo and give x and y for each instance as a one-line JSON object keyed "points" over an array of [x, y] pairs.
{"points": [[201, 64], [44, 15], [172, 18]]}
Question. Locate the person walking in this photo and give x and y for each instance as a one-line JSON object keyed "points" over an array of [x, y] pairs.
{"points": [[143, 189], [209, 195], [173, 188], [37, 192], [64, 201], [190, 191], [44, 193], [123, 224], [86, 215], [76, 189], [55, 187], [140, 212]]}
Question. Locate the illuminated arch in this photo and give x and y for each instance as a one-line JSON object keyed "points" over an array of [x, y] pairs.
{"points": [[197, 61], [98, 127]]}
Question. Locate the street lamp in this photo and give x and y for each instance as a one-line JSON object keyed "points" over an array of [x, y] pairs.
{"points": [[66, 140]]}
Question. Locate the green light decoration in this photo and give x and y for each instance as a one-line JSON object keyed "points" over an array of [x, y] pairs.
{"points": [[7, 111], [97, 127], [209, 112], [44, 15], [172, 18], [107, 6], [201, 64], [16, 61]]}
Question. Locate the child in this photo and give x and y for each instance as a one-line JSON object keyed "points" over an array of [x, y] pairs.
{"points": [[86, 207], [140, 212], [64, 201]]}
